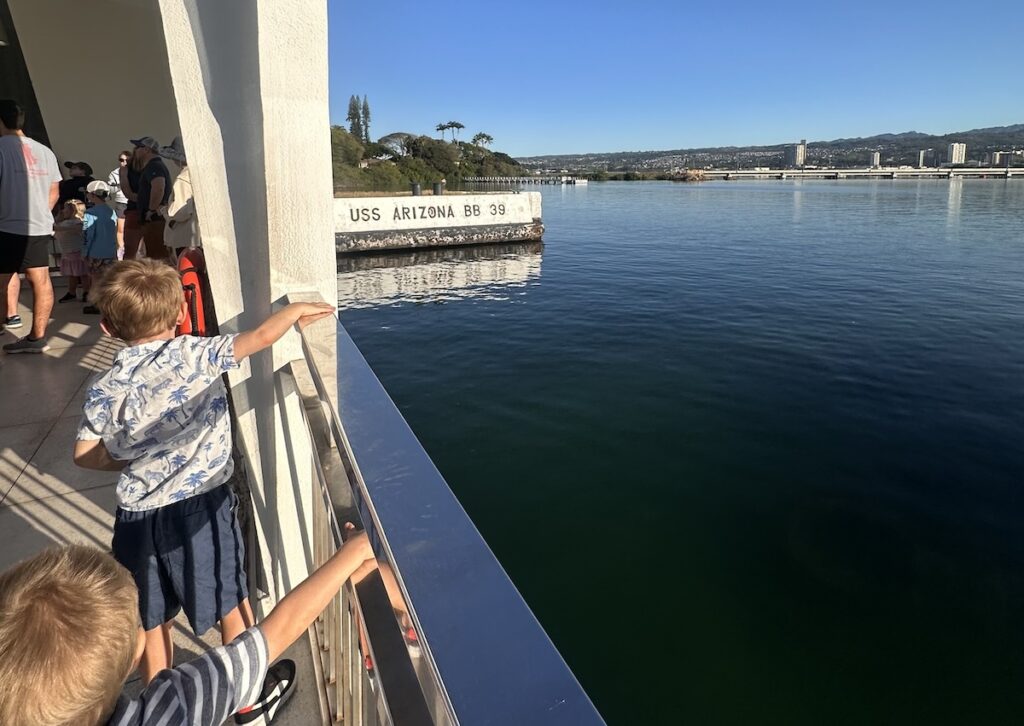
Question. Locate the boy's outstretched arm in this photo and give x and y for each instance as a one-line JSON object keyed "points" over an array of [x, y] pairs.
{"points": [[271, 330], [299, 608]]}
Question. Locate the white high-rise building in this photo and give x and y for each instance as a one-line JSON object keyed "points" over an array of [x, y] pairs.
{"points": [[920, 158], [957, 153], [876, 160], [796, 155]]}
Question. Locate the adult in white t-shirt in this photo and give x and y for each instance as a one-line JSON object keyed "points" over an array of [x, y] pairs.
{"points": [[28, 190]]}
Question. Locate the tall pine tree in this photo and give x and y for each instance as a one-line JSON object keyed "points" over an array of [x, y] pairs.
{"points": [[355, 121], [366, 120]]}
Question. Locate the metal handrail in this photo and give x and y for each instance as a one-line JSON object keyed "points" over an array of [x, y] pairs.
{"points": [[478, 654]]}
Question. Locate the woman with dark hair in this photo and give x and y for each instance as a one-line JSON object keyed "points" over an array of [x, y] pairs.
{"points": [[117, 196], [129, 175]]}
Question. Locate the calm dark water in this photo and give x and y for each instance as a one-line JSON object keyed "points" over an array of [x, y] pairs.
{"points": [[753, 453]]}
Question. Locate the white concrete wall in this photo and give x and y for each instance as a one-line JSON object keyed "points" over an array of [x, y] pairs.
{"points": [[250, 83], [246, 83], [93, 90]]}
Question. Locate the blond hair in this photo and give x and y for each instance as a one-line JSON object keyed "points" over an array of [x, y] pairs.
{"points": [[78, 205], [139, 298], [69, 631]]}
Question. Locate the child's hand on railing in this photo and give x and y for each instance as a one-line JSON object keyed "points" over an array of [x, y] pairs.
{"points": [[358, 541], [308, 313], [271, 329]]}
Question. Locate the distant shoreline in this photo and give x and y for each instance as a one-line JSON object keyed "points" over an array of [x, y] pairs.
{"points": [[845, 174]]}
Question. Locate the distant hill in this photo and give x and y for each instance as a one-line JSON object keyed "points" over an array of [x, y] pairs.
{"points": [[895, 148], [398, 159]]}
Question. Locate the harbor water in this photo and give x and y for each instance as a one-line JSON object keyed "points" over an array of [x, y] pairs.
{"points": [[753, 452]]}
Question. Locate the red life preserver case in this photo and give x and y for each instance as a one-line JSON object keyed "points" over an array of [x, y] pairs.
{"points": [[192, 268]]}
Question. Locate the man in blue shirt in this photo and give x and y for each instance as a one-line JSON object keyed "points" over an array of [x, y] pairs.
{"points": [[153, 192]]}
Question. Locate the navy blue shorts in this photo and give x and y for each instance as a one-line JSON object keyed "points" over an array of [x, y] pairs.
{"points": [[186, 555]]}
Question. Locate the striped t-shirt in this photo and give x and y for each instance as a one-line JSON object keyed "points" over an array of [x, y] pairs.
{"points": [[202, 692]]}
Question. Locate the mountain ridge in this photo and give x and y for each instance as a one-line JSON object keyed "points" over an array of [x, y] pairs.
{"points": [[902, 147]]}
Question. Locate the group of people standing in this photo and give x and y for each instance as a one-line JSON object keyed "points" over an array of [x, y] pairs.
{"points": [[158, 216], [84, 222]]}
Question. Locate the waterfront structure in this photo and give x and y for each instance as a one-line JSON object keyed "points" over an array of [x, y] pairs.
{"points": [[921, 158], [563, 179], [388, 222], [876, 160], [956, 153], [999, 158], [796, 155], [947, 172]]}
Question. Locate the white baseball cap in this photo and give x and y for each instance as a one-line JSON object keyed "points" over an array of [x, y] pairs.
{"points": [[99, 188]]}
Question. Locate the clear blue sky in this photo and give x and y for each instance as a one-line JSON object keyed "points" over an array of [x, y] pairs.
{"points": [[567, 76]]}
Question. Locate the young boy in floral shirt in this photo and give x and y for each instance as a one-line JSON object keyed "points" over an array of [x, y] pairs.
{"points": [[160, 417]]}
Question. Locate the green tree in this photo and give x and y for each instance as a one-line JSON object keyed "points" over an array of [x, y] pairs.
{"points": [[442, 128], [374, 150], [439, 155], [397, 143], [506, 159], [456, 127], [366, 120], [383, 177], [345, 148], [418, 170], [355, 121], [482, 139]]}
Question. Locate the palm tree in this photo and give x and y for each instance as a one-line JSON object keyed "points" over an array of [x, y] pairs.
{"points": [[482, 139], [442, 128], [456, 127]]}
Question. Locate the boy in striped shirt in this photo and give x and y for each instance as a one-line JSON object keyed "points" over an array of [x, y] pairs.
{"points": [[70, 636]]}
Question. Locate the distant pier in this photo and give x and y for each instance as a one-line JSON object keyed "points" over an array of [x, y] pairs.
{"points": [[516, 180]]}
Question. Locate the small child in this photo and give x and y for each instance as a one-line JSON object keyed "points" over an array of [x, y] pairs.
{"points": [[68, 230], [160, 417], [70, 638], [99, 231]]}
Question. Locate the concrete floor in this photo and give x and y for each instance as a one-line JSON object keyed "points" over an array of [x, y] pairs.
{"points": [[45, 499]]}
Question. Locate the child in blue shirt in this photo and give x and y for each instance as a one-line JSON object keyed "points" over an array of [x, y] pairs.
{"points": [[99, 231]]}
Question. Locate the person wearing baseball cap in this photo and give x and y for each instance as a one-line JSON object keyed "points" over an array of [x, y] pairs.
{"points": [[98, 189], [79, 176], [182, 230], [99, 235], [146, 142], [153, 192], [78, 168]]}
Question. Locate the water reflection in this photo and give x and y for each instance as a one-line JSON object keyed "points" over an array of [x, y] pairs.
{"points": [[489, 272], [953, 202]]}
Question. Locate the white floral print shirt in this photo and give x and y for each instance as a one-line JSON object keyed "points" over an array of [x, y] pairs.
{"points": [[163, 407]]}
